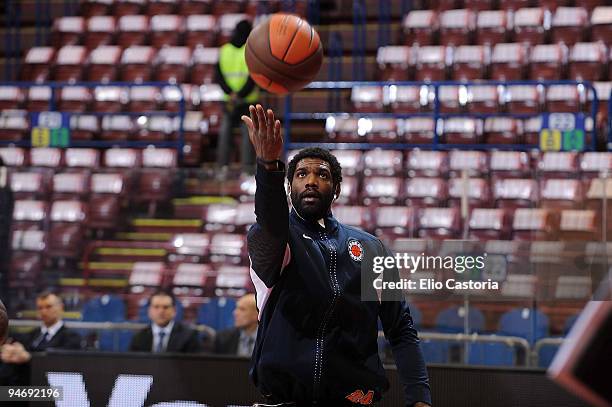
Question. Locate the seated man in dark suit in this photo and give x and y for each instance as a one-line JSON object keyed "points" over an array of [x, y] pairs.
{"points": [[52, 334], [165, 334], [240, 340]]}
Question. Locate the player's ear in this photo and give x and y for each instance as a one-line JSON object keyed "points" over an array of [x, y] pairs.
{"points": [[337, 192], [287, 187]]}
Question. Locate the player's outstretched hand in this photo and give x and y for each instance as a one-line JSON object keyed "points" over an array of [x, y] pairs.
{"points": [[264, 133]]}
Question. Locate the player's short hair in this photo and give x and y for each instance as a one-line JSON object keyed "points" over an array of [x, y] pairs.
{"points": [[163, 293], [316, 152]]}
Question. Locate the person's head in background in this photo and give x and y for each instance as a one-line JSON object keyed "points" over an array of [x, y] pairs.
{"points": [[162, 308], [3, 323], [49, 307], [245, 313], [241, 33]]}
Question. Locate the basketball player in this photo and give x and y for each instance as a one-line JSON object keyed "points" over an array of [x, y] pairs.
{"points": [[317, 341]]}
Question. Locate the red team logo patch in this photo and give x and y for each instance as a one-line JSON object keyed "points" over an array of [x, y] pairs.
{"points": [[358, 397], [355, 250]]}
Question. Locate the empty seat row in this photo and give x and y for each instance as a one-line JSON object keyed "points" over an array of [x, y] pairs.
{"points": [[442, 5], [530, 25], [108, 63], [501, 61]]}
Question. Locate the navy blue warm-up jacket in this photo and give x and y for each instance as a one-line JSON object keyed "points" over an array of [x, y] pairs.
{"points": [[317, 340]]}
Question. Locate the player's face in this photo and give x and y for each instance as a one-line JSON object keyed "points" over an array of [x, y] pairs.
{"points": [[161, 310], [49, 309], [312, 188]]}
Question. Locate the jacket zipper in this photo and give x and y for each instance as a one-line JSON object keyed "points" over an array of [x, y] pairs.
{"points": [[321, 332]]}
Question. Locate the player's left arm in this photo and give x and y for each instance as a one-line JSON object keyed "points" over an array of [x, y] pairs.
{"points": [[400, 332]]}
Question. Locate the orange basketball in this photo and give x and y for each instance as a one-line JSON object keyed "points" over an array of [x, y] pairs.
{"points": [[283, 53]]}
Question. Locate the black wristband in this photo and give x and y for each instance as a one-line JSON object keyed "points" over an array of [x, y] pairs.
{"points": [[269, 162]]}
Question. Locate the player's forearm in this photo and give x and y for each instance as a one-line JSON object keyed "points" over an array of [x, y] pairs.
{"points": [[271, 208]]}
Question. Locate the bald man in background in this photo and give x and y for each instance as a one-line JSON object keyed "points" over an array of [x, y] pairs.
{"points": [[240, 340]]}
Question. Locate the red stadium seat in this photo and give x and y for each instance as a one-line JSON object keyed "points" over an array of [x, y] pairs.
{"points": [[438, 223], [587, 61], [29, 185], [46, 157], [128, 7], [26, 259], [503, 130], [382, 162], [482, 99], [431, 63], [39, 98], [357, 216], [426, 192], [70, 186], [461, 130], [450, 100], [91, 8], [475, 189], [492, 27], [13, 125], [100, 31], [350, 161], [343, 129], [11, 97], [393, 221], [68, 31], [191, 7], [471, 62], [547, 61], [425, 163], [601, 24], [417, 130], [381, 190], [524, 99], [88, 158], [117, 128], [535, 224], [166, 30], [592, 164], [474, 162], [137, 61], [408, 99], [170, 97], [478, 5], [531, 130], [29, 214], [156, 128], [110, 98], [157, 7], [515, 193], [204, 62], [67, 229], [226, 22], [200, 31], [509, 62], [531, 25], [228, 248], [144, 98], [69, 63], [489, 224], [231, 277], [457, 27], [561, 194], [13, 157], [581, 225], [75, 99], [603, 90], [84, 127], [173, 63], [394, 62], [419, 27], [190, 248], [559, 164], [148, 274], [155, 180], [105, 200], [378, 130], [103, 63], [367, 99], [568, 25], [133, 30], [445, 4], [122, 158], [349, 193], [38, 64], [564, 98], [211, 104], [220, 218], [192, 275]]}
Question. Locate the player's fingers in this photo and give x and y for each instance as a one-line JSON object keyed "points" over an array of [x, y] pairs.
{"points": [[261, 120], [277, 131], [248, 122], [270, 123], [253, 113]]}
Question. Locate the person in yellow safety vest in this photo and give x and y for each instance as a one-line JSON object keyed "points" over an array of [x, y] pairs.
{"points": [[232, 75]]}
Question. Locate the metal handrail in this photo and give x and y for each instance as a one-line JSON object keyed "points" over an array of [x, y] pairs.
{"points": [[535, 355]]}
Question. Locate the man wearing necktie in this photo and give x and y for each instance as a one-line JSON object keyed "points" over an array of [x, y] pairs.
{"points": [[165, 334], [240, 340], [52, 334]]}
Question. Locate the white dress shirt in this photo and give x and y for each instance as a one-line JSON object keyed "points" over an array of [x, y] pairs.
{"points": [[51, 330], [166, 330]]}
